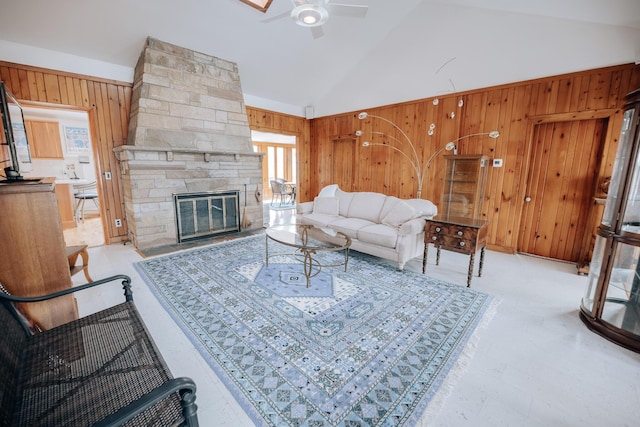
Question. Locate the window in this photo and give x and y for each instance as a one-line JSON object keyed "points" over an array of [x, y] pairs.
{"points": [[261, 5]]}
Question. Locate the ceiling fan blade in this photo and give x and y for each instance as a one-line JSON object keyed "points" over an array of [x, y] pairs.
{"points": [[317, 32], [350, 10], [276, 17]]}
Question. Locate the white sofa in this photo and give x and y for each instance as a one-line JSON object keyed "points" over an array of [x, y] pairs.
{"points": [[379, 225]]}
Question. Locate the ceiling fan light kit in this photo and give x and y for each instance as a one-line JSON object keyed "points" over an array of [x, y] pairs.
{"points": [[309, 15], [313, 14]]}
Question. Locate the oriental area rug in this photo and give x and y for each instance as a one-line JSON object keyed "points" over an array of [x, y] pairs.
{"points": [[371, 346]]}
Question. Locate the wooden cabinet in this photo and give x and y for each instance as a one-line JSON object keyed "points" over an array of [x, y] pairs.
{"points": [[44, 139], [589, 239], [457, 234], [464, 180], [64, 195], [33, 259]]}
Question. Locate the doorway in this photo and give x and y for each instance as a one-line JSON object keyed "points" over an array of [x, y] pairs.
{"points": [[563, 167], [279, 160], [61, 147]]}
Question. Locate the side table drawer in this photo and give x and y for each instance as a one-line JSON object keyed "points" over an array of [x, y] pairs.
{"points": [[452, 242], [461, 235], [451, 236], [457, 244]]}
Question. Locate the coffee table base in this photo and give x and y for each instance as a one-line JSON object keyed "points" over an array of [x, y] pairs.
{"points": [[309, 263]]}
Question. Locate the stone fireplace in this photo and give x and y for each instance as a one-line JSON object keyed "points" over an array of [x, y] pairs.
{"points": [[188, 133]]}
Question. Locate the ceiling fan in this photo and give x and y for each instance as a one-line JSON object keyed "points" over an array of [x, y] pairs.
{"points": [[314, 13]]}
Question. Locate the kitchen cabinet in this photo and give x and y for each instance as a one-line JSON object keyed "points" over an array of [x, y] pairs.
{"points": [[44, 139]]}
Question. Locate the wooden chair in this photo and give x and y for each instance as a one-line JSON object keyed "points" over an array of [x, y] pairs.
{"points": [[72, 256]]}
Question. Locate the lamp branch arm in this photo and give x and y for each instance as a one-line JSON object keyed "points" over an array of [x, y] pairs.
{"points": [[415, 166], [432, 158], [387, 136], [415, 153]]}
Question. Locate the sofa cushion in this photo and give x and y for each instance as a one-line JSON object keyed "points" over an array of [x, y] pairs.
{"points": [[415, 226], [366, 205], [401, 213], [389, 204], [326, 205], [328, 191], [378, 234], [320, 220], [344, 200], [423, 207], [349, 226]]}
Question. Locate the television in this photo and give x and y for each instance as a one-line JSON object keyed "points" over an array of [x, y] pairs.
{"points": [[15, 146]]}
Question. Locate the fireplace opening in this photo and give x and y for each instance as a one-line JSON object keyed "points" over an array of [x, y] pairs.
{"points": [[200, 215]]}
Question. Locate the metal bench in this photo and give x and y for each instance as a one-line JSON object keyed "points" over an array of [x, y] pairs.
{"points": [[101, 370]]}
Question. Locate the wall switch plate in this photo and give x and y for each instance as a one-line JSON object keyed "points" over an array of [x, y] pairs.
{"points": [[118, 222], [107, 176], [497, 163]]}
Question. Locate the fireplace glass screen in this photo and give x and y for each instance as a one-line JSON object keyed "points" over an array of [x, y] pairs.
{"points": [[200, 215]]}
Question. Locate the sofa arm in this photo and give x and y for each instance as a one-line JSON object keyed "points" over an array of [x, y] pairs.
{"points": [[415, 226], [304, 208]]}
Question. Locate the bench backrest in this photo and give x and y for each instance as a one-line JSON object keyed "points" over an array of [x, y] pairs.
{"points": [[12, 341]]}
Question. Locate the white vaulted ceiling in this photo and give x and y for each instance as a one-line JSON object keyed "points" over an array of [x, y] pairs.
{"points": [[402, 50]]}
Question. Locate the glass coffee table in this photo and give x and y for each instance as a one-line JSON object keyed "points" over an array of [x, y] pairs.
{"points": [[308, 240]]}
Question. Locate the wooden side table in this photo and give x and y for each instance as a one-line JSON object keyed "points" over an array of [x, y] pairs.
{"points": [[463, 235], [72, 256]]}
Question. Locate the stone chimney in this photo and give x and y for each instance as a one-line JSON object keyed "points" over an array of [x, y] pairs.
{"points": [[188, 133]]}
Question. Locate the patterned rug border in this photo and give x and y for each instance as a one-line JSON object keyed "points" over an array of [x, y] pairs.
{"points": [[222, 376], [458, 367], [428, 407]]}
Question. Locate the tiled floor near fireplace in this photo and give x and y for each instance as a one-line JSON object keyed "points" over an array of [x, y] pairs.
{"points": [[535, 364]]}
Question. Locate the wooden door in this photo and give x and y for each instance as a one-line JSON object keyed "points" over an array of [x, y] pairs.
{"points": [[560, 185], [343, 165]]}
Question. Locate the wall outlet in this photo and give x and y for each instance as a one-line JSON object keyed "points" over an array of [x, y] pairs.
{"points": [[118, 222], [497, 163], [107, 176]]}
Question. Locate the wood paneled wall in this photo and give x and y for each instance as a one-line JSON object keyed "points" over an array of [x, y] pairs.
{"points": [[513, 109], [108, 104]]}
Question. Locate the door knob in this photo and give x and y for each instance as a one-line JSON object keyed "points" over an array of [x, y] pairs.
{"points": [[527, 199]]}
